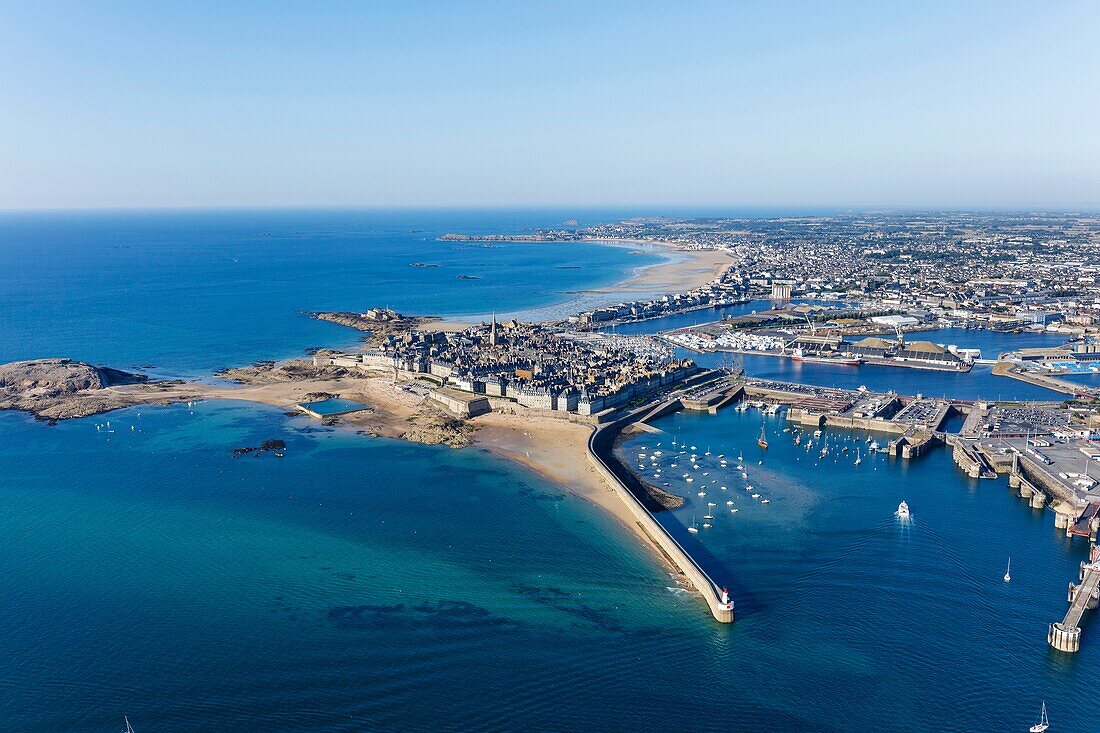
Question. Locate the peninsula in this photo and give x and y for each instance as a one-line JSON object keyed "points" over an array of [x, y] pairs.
{"points": [[557, 395]]}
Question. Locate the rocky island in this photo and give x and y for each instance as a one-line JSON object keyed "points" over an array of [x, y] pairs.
{"points": [[59, 389]]}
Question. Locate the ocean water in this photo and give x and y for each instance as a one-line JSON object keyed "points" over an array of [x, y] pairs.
{"points": [[366, 584], [190, 293]]}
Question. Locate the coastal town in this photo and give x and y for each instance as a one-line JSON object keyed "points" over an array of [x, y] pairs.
{"points": [[853, 292], [1002, 271]]}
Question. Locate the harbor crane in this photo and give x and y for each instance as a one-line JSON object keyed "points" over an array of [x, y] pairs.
{"points": [[901, 336]]}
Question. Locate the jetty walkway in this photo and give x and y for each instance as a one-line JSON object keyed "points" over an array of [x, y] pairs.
{"points": [[601, 454]]}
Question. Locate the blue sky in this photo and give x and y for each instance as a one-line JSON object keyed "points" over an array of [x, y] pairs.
{"points": [[141, 104]]}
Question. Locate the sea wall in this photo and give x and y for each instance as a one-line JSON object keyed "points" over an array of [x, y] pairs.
{"points": [[600, 447]]}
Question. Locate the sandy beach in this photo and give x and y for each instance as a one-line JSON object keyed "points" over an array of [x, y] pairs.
{"points": [[684, 270], [689, 269]]}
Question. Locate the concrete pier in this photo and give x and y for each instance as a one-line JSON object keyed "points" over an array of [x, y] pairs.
{"points": [[600, 445]]}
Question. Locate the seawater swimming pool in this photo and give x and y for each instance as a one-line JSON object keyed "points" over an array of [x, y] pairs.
{"points": [[332, 406]]}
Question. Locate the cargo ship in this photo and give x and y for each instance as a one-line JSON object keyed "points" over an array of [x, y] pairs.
{"points": [[799, 355]]}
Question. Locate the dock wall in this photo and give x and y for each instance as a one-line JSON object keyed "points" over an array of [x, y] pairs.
{"points": [[1006, 369]]}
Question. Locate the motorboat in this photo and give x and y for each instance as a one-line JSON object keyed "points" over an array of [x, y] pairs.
{"points": [[903, 511], [1008, 572]]}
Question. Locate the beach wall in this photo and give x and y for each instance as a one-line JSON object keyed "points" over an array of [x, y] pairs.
{"points": [[600, 445]]}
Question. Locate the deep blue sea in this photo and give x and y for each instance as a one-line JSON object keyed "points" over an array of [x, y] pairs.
{"points": [[366, 584], [189, 293]]}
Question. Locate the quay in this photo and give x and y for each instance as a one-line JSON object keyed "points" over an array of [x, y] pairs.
{"points": [[601, 454], [1009, 369], [1066, 635]]}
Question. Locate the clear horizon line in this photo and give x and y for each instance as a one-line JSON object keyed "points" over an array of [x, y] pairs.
{"points": [[854, 207]]}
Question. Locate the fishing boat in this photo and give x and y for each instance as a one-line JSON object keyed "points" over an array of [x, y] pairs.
{"points": [[1043, 723], [903, 511], [693, 529], [762, 441], [1008, 572]]}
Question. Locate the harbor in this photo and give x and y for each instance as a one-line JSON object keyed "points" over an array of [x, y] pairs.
{"points": [[1035, 446]]}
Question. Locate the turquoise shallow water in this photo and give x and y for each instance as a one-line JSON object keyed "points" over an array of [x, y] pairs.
{"points": [[363, 584], [355, 584]]}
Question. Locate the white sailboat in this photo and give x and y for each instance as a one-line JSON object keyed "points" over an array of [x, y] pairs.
{"points": [[1008, 572], [129, 728], [1043, 723], [693, 529], [859, 459]]}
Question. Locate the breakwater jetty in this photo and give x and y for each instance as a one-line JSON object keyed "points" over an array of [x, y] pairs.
{"points": [[601, 454], [1065, 636]]}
